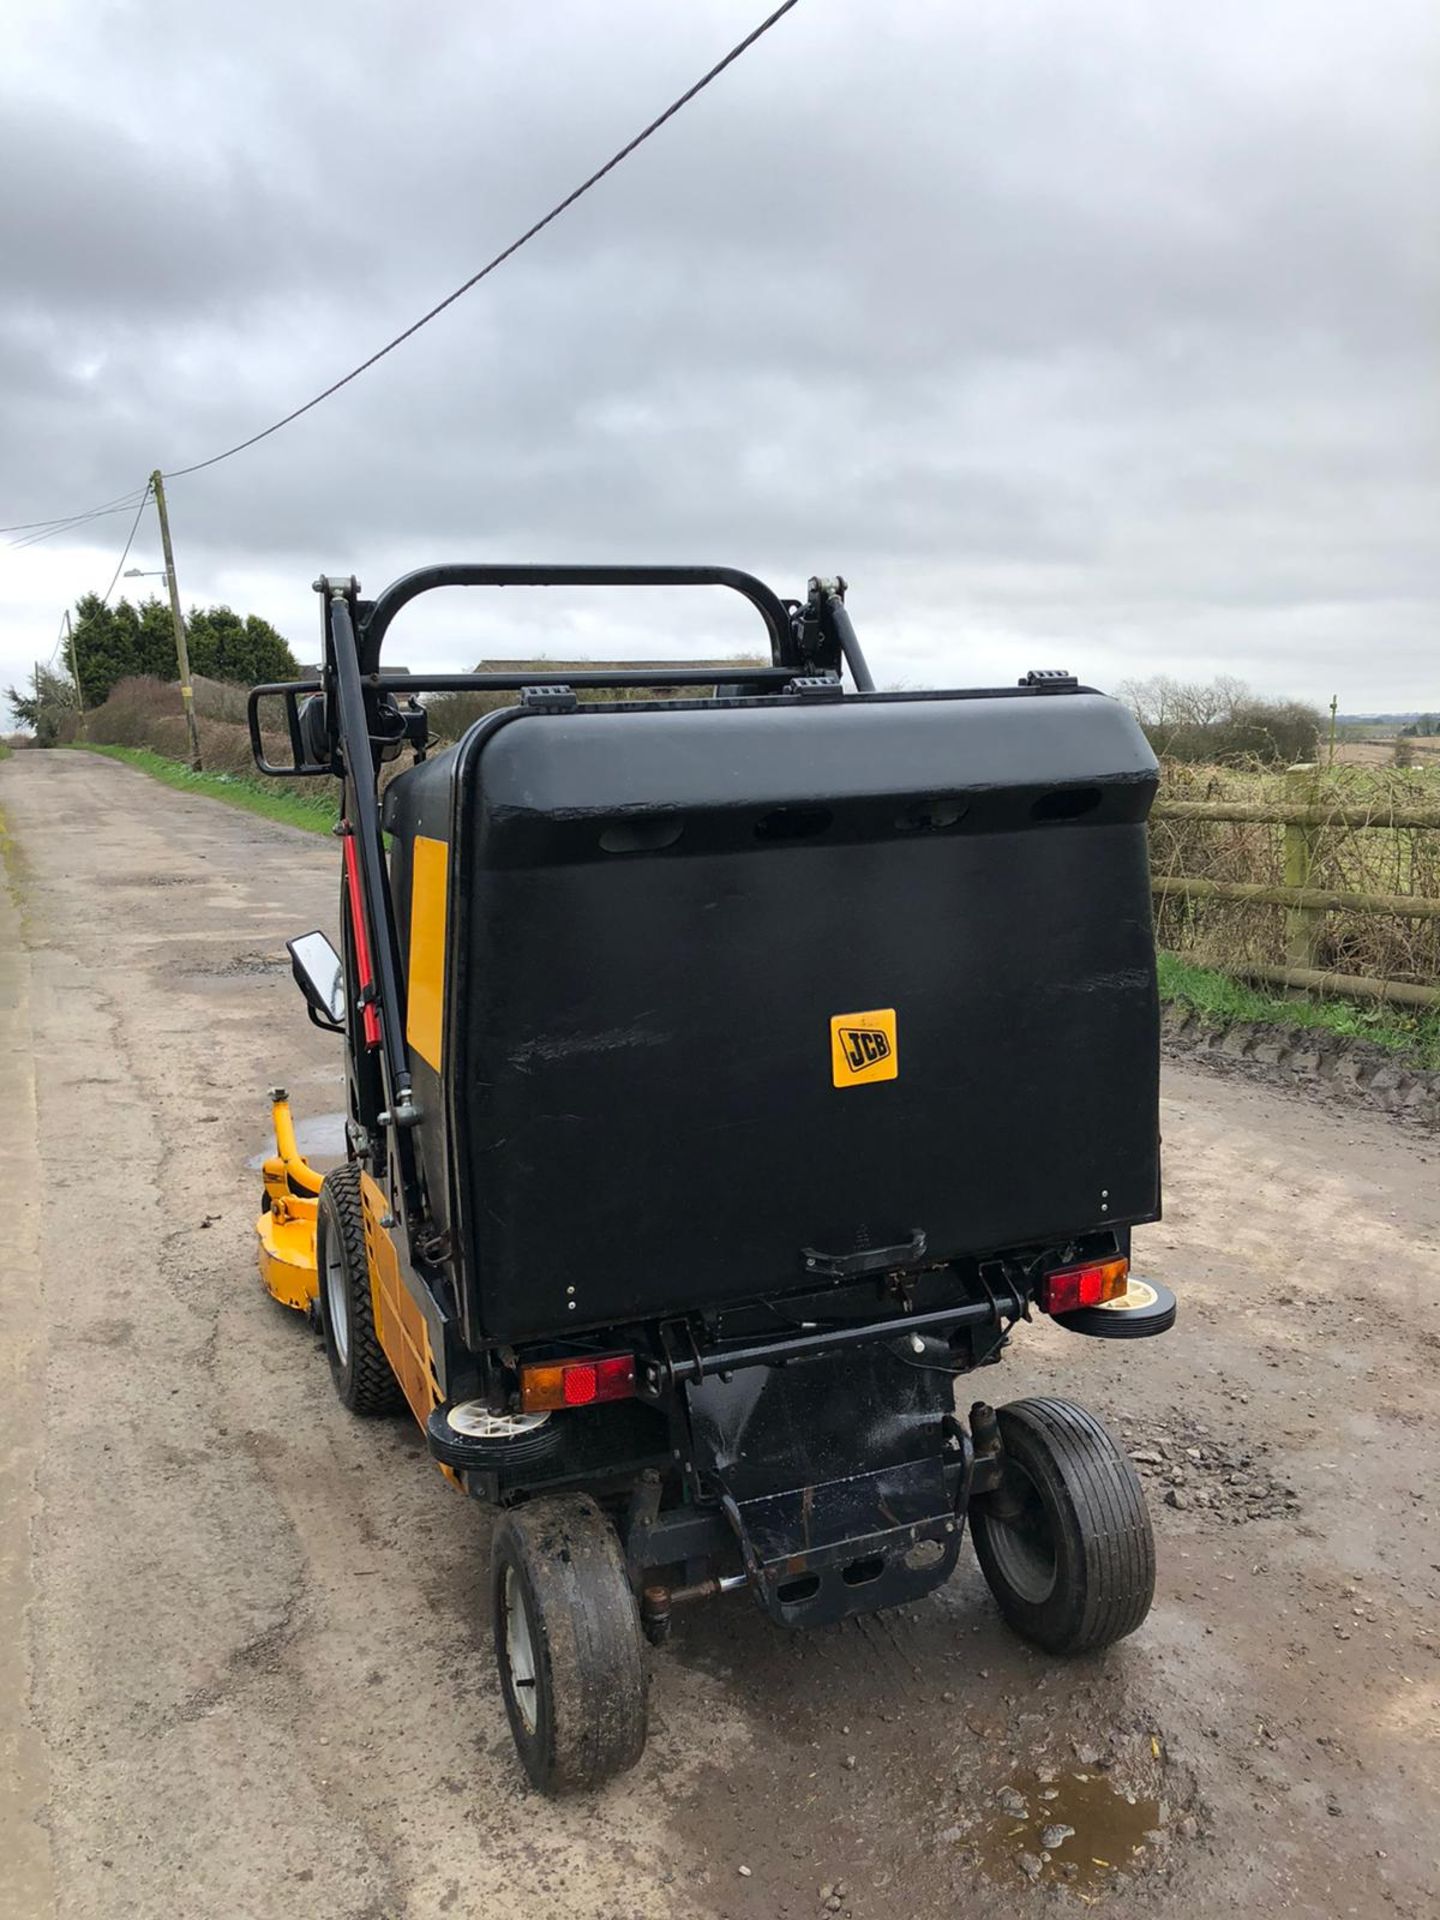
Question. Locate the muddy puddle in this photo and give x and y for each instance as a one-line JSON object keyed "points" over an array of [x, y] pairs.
{"points": [[1072, 1828]]}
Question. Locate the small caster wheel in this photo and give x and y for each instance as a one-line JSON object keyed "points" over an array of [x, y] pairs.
{"points": [[1064, 1542], [568, 1643]]}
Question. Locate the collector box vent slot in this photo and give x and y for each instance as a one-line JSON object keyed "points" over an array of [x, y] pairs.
{"points": [[1065, 803], [793, 823], [930, 816], [641, 836]]}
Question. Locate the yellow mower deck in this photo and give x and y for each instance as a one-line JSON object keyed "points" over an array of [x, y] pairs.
{"points": [[285, 1230], [286, 1226]]}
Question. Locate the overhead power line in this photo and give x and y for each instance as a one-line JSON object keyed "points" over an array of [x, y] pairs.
{"points": [[120, 505], [79, 525], [561, 206], [59, 642], [124, 556], [66, 630], [49, 529], [500, 258], [125, 552]]}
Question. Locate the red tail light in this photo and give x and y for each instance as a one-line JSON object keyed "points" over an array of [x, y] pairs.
{"points": [[1085, 1286], [576, 1383]]}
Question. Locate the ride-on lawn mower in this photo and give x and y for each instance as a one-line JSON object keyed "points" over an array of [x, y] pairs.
{"points": [[730, 1071]]}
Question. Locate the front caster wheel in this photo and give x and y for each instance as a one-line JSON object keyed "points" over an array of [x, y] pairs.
{"points": [[1065, 1542], [568, 1643]]}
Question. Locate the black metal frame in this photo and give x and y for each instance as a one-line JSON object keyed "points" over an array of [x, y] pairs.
{"points": [[672, 1371], [888, 1297], [813, 640], [375, 616]]}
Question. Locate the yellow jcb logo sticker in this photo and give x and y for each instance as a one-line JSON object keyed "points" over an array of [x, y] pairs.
{"points": [[863, 1047]]}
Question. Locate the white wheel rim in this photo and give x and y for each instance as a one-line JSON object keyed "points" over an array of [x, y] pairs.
{"points": [[337, 1301], [519, 1650], [475, 1420]]}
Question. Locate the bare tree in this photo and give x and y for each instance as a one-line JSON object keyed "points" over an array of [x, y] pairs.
{"points": [[1221, 721]]}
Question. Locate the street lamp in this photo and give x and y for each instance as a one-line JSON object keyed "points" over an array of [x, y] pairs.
{"points": [[140, 573]]}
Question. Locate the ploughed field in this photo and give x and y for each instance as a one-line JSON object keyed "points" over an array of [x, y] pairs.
{"points": [[244, 1642]]}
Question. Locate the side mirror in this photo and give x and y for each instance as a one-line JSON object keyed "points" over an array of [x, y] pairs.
{"points": [[321, 978]]}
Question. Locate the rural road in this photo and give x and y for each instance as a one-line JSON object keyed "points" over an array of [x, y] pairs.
{"points": [[245, 1670]]}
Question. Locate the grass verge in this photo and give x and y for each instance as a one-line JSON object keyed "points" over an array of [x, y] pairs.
{"points": [[1220, 1001], [316, 814]]}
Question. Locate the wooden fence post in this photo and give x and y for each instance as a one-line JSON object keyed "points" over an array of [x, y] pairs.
{"points": [[1303, 925]]}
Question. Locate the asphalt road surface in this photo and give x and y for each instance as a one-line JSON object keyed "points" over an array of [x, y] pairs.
{"points": [[245, 1666]]}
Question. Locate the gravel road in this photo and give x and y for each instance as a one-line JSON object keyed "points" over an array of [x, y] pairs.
{"points": [[244, 1666]]}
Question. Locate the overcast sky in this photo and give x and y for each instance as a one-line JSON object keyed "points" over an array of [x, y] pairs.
{"points": [[1103, 336]]}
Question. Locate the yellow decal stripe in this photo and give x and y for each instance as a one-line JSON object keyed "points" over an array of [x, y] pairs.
{"points": [[425, 1017]]}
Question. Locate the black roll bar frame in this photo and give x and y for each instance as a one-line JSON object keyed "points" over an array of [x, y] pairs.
{"points": [[375, 616]]}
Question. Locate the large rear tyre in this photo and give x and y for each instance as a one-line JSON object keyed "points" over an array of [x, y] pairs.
{"points": [[362, 1375], [568, 1643], [1065, 1541]]}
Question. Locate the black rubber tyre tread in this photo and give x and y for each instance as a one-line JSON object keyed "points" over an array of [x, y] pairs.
{"points": [[491, 1456], [1099, 1323], [591, 1707], [365, 1380], [1105, 1548]]}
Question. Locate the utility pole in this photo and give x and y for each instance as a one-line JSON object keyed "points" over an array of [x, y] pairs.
{"points": [[182, 651], [75, 672]]}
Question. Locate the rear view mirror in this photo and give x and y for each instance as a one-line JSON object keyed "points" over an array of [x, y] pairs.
{"points": [[321, 978], [305, 729]]}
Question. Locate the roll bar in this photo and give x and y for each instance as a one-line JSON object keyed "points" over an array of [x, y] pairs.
{"points": [[374, 616]]}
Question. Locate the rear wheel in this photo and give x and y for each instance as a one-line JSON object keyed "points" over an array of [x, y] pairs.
{"points": [[362, 1375], [1065, 1541], [568, 1643]]}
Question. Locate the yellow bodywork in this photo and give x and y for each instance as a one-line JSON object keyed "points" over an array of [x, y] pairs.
{"points": [[400, 1326], [286, 1228], [425, 1009], [286, 1233]]}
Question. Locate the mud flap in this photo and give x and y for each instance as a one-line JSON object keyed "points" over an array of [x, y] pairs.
{"points": [[838, 1478]]}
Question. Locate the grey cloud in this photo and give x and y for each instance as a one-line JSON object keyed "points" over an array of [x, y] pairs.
{"points": [[1099, 329]]}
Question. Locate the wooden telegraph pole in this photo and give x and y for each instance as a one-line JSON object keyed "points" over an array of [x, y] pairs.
{"points": [[75, 672], [182, 651]]}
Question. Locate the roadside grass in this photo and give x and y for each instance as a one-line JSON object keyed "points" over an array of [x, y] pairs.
{"points": [[1219, 1000], [316, 815], [5, 752]]}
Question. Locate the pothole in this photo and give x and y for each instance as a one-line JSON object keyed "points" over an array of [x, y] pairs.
{"points": [[1073, 1828], [250, 962]]}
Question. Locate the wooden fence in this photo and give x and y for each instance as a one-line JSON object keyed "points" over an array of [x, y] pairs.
{"points": [[1306, 818]]}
